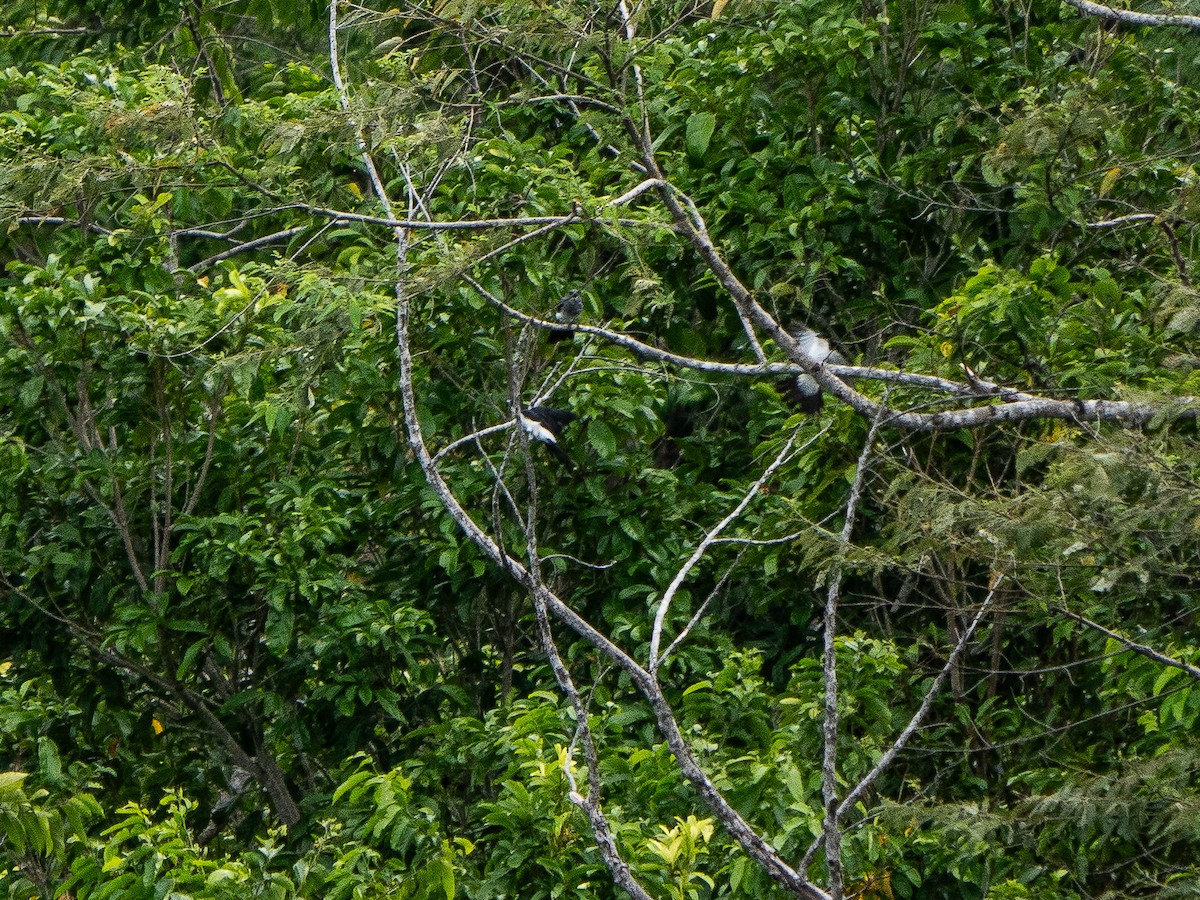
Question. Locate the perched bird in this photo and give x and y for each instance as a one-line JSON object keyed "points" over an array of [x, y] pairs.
{"points": [[568, 311], [545, 425], [815, 349]]}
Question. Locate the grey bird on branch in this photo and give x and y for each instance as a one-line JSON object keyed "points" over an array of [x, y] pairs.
{"points": [[545, 425], [568, 311], [815, 349]]}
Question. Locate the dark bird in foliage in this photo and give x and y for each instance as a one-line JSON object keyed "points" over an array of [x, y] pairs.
{"points": [[545, 425], [568, 311], [815, 349]]}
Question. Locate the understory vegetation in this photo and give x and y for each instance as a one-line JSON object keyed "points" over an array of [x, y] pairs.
{"points": [[298, 601]]}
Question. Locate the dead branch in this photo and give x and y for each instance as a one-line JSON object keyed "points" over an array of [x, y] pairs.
{"points": [[1129, 17]]}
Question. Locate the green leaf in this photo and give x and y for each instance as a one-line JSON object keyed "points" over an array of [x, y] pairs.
{"points": [[31, 390], [602, 439], [14, 830], [351, 783], [633, 527], [1165, 677], [42, 841], [699, 132], [49, 762], [281, 621], [277, 418]]}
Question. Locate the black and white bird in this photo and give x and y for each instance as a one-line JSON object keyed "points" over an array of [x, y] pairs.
{"points": [[545, 425], [816, 350], [568, 311]]}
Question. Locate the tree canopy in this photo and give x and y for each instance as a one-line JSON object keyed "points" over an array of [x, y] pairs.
{"points": [[862, 560]]}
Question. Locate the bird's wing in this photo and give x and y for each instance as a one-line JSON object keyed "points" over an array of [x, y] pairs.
{"points": [[537, 430], [569, 307], [554, 419], [812, 345]]}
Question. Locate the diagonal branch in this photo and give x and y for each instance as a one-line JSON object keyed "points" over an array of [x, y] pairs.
{"points": [[918, 718], [1128, 644], [699, 614], [664, 605], [263, 766], [750, 840], [590, 804], [284, 235]]}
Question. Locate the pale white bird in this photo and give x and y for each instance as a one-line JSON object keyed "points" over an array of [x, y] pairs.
{"points": [[816, 350]]}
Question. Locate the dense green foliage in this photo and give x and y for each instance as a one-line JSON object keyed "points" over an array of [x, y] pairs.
{"points": [[245, 651]]}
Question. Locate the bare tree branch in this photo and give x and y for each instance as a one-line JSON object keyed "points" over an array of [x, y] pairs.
{"points": [[918, 718], [699, 614], [830, 726], [472, 438], [415, 224], [1131, 219], [1129, 644], [590, 804], [526, 577], [755, 846], [1129, 17], [59, 220], [285, 234], [664, 605]]}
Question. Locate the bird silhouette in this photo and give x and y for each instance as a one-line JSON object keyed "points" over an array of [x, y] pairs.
{"points": [[568, 311]]}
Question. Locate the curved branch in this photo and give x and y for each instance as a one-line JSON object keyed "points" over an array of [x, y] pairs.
{"points": [[590, 804], [699, 614], [285, 234], [60, 220], [918, 718], [427, 224]]}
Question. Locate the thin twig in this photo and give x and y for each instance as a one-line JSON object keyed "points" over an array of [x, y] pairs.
{"points": [[1129, 644], [699, 614], [664, 605], [473, 437]]}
